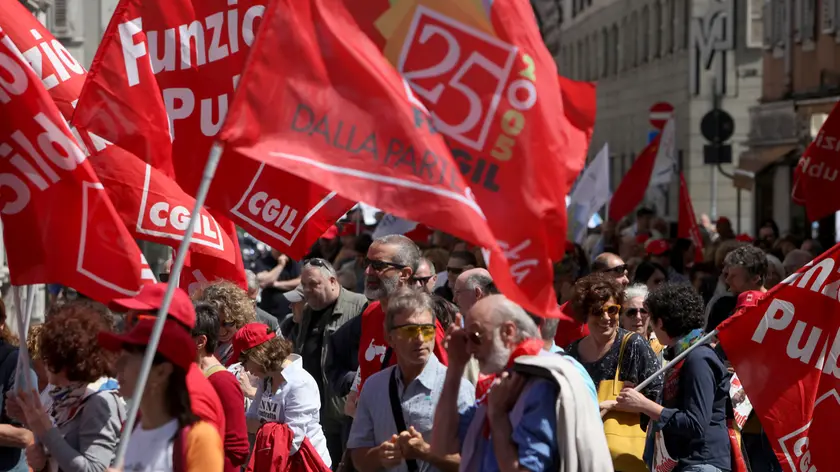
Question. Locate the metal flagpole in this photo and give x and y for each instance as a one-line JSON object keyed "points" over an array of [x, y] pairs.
{"points": [[674, 361], [174, 276]]}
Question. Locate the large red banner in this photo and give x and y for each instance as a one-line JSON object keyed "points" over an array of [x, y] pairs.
{"points": [[152, 206], [631, 190], [327, 106], [491, 87], [160, 86], [59, 226], [786, 351], [815, 176]]}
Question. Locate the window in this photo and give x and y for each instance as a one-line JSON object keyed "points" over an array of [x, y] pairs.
{"points": [[579, 69], [570, 69], [626, 44], [615, 42], [672, 26], [636, 39], [60, 22], [755, 23], [605, 54], [768, 28], [585, 60], [780, 17], [809, 20], [645, 49], [686, 16], [828, 12], [658, 29], [797, 21]]}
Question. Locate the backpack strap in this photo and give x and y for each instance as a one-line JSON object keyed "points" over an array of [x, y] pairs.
{"points": [[179, 449]]}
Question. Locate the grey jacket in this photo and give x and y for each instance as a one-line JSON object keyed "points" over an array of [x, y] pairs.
{"points": [[348, 306], [88, 442]]}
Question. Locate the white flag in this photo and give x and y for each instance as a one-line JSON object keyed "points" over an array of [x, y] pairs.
{"points": [[590, 194], [666, 156], [391, 224]]}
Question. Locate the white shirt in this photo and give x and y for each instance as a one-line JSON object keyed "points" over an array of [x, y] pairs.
{"points": [[296, 403], [150, 450]]}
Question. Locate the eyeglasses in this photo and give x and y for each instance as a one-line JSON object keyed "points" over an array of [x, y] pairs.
{"points": [[423, 280], [410, 332], [632, 312], [379, 266], [611, 310]]}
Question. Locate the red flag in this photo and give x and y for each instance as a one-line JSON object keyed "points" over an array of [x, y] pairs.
{"points": [[491, 87], [58, 224], [160, 86], [201, 269], [815, 176], [579, 107], [339, 112], [631, 190], [785, 351], [687, 224], [151, 205]]}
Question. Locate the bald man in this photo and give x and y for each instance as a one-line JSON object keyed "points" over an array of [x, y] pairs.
{"points": [[471, 286], [613, 265]]}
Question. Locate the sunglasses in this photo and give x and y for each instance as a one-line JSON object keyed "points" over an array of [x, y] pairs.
{"points": [[620, 270], [410, 332], [611, 310], [382, 265], [423, 280], [455, 270], [164, 277], [475, 338], [632, 312], [316, 261]]}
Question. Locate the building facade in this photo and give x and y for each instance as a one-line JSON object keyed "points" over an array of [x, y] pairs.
{"points": [[692, 54], [800, 86]]}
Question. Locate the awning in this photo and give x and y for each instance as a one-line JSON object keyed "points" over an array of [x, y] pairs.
{"points": [[756, 160]]}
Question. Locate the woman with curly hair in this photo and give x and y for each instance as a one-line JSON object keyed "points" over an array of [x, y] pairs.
{"points": [[611, 352], [235, 308], [287, 394], [690, 423], [80, 427]]}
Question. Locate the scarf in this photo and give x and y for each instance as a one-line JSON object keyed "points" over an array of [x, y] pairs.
{"points": [[66, 402], [687, 341], [529, 347]]}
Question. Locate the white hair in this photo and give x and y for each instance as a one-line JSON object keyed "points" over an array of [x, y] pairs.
{"points": [[507, 310], [636, 290]]}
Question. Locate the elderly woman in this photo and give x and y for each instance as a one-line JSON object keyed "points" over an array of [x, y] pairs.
{"points": [[287, 393], [235, 308], [634, 316], [611, 352], [690, 422], [80, 428]]}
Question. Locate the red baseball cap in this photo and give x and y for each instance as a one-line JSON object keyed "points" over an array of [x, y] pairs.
{"points": [[250, 336], [744, 238], [657, 247], [330, 233], [150, 299], [748, 299], [176, 342]]}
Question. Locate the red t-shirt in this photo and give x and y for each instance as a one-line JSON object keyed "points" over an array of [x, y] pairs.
{"points": [[569, 331], [236, 430], [205, 403], [373, 344]]}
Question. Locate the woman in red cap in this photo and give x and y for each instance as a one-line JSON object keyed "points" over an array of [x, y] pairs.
{"points": [[287, 402], [169, 436]]}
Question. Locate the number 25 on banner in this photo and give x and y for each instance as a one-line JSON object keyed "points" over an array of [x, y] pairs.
{"points": [[480, 74]]}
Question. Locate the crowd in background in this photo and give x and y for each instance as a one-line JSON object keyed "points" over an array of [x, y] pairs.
{"points": [[398, 353]]}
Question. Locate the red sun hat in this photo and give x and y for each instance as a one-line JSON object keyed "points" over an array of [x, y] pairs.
{"points": [[150, 299], [176, 342], [248, 337], [331, 233], [657, 247]]}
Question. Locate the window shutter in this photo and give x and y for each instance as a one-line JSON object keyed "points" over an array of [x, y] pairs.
{"points": [[755, 23], [61, 24], [809, 14], [797, 21], [768, 25], [828, 9]]}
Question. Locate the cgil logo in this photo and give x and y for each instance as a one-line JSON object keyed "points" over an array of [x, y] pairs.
{"points": [[168, 219]]}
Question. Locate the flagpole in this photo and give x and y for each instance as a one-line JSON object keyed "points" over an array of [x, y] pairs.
{"points": [[674, 361], [174, 276]]}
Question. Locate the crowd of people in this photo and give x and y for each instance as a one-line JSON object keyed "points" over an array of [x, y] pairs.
{"points": [[399, 354]]}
